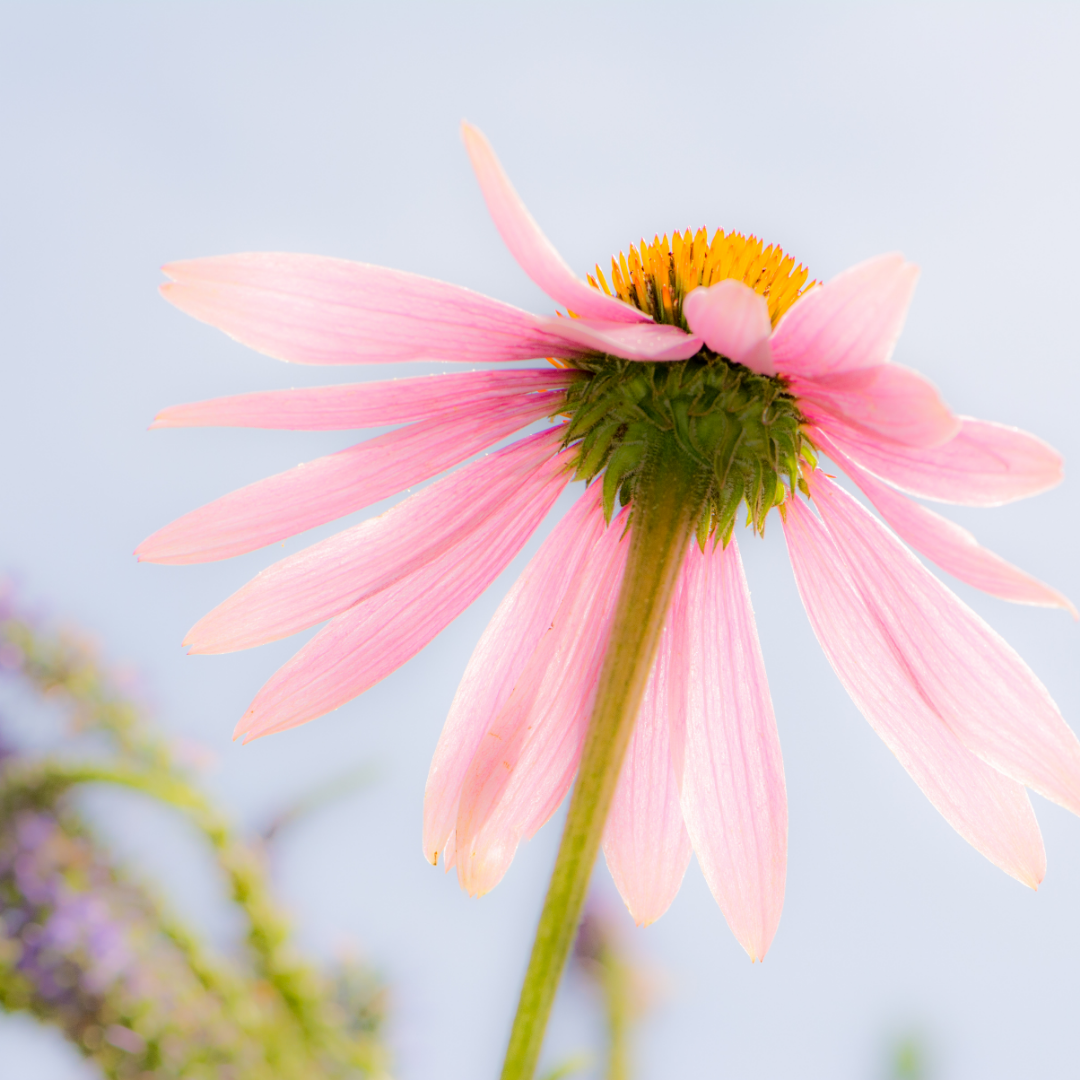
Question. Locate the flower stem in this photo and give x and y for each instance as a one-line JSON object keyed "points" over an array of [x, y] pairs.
{"points": [[667, 503]]}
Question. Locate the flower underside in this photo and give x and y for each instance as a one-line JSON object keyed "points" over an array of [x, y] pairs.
{"points": [[655, 277], [737, 433]]}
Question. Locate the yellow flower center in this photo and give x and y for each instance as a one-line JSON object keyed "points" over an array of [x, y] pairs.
{"points": [[655, 277]]}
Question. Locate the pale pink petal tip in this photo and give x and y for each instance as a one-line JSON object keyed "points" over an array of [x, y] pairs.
{"points": [[726, 750], [733, 321], [530, 247]]}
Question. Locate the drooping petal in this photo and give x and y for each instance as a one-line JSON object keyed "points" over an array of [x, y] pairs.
{"points": [[851, 322], [323, 580], [360, 405], [986, 464], [526, 761], [645, 841], [972, 679], [522, 619], [313, 310], [733, 321], [990, 811], [954, 549], [331, 487], [726, 749], [644, 341], [888, 402], [530, 247], [367, 642]]}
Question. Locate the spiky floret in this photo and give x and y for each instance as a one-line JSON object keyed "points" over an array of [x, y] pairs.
{"points": [[656, 277], [740, 433]]}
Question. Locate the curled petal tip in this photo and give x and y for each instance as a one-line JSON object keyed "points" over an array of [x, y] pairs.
{"points": [[247, 729], [161, 420], [470, 133], [532, 250]]}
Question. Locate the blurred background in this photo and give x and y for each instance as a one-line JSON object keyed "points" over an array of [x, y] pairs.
{"points": [[135, 134]]}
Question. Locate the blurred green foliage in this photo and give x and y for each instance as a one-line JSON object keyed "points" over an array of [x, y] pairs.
{"points": [[88, 948]]}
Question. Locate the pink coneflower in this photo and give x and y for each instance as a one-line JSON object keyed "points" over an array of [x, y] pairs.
{"points": [[700, 384]]}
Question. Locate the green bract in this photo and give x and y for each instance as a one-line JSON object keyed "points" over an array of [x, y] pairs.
{"points": [[738, 432]]}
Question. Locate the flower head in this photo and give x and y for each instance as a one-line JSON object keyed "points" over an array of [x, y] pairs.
{"points": [[710, 360]]}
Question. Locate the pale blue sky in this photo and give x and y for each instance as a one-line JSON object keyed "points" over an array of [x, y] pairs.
{"points": [[136, 134]]}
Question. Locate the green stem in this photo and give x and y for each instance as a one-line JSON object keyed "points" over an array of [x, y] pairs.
{"points": [[617, 979], [666, 505]]}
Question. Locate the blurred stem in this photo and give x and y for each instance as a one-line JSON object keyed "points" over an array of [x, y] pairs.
{"points": [[666, 506], [616, 981]]}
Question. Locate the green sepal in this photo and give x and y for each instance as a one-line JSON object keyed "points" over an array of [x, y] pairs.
{"points": [[624, 459], [595, 448], [704, 528]]}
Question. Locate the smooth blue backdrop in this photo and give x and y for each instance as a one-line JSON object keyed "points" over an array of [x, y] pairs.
{"points": [[136, 134]]}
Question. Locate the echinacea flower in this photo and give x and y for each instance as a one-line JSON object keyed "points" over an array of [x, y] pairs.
{"points": [[705, 363]]}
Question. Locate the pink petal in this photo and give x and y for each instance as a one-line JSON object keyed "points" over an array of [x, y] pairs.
{"points": [[954, 549], [888, 402], [645, 841], [333, 575], [647, 341], [376, 636], [331, 487], [726, 749], [313, 310], [359, 405], [984, 465], [530, 247], [522, 619], [524, 766], [733, 321], [851, 322], [971, 678], [988, 810]]}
